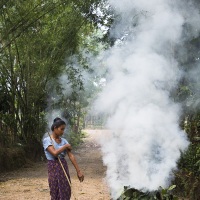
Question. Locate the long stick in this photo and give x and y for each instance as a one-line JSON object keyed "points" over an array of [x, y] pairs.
{"points": [[62, 167]]}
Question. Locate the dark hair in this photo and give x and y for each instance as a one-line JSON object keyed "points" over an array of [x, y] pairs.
{"points": [[56, 123]]}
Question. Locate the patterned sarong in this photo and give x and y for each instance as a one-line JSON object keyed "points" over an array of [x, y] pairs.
{"points": [[58, 184]]}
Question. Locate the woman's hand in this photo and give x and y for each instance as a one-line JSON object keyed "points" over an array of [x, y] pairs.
{"points": [[68, 147], [80, 176]]}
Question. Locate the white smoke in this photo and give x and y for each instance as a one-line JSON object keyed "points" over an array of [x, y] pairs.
{"points": [[145, 141], [51, 115]]}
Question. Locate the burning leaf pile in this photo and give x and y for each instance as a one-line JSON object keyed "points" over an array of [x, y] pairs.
{"points": [[161, 194]]}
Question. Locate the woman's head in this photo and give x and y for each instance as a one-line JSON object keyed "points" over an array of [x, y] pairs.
{"points": [[58, 125]]}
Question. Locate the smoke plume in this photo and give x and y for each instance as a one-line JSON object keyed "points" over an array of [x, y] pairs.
{"points": [[145, 140]]}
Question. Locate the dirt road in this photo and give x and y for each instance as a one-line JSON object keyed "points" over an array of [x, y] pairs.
{"points": [[31, 182]]}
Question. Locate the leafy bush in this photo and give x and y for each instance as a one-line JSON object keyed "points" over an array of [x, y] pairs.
{"points": [[12, 158], [187, 178], [187, 184]]}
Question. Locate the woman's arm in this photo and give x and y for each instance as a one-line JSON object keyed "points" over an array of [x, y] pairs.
{"points": [[56, 152], [73, 160]]}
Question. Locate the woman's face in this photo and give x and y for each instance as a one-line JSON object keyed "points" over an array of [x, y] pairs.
{"points": [[60, 130]]}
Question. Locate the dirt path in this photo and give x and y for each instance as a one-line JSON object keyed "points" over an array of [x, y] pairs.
{"points": [[31, 182]]}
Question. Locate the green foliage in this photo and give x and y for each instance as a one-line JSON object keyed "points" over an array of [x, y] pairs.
{"points": [[190, 160], [188, 94], [37, 38], [187, 184], [76, 139], [188, 177]]}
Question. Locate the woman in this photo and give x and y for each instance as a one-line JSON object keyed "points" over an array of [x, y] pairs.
{"points": [[55, 146]]}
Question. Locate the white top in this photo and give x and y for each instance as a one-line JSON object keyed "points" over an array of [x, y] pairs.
{"points": [[48, 142]]}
